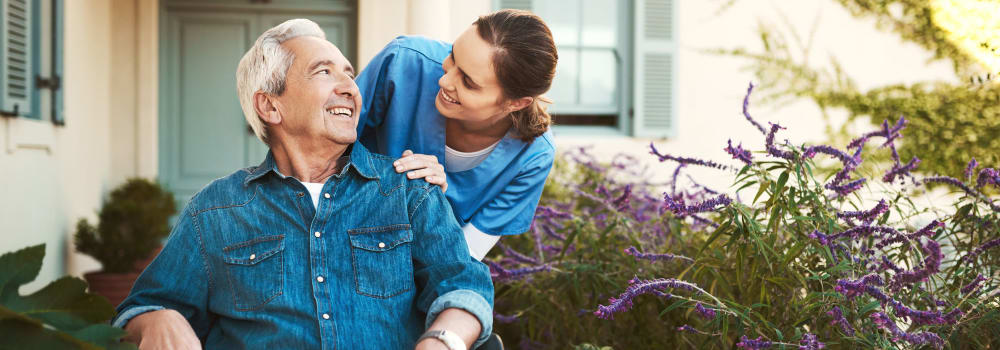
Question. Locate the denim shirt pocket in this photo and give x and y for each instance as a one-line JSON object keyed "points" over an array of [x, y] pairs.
{"points": [[383, 266], [256, 271]]}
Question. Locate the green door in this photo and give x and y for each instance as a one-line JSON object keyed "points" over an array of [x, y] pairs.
{"points": [[203, 135]]}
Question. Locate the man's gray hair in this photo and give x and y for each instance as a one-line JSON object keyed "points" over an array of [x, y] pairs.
{"points": [[264, 67]]}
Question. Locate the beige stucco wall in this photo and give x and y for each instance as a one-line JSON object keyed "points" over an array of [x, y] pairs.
{"points": [[58, 174], [55, 175], [379, 21]]}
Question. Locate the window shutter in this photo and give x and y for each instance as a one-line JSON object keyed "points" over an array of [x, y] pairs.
{"points": [[57, 62], [16, 57], [654, 83], [515, 4]]}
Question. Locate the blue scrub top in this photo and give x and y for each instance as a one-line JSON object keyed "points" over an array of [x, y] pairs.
{"points": [[398, 89]]}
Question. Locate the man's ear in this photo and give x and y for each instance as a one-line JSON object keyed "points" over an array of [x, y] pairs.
{"points": [[520, 103], [266, 108]]}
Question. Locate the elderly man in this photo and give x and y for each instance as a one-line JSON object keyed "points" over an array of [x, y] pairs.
{"points": [[323, 245]]}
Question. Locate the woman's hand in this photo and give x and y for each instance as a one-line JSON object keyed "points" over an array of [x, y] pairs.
{"points": [[422, 166]]}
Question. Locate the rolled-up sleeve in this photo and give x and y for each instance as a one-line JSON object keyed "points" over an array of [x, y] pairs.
{"points": [[447, 277], [177, 279]]}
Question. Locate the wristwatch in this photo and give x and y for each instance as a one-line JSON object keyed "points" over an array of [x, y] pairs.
{"points": [[451, 340]]}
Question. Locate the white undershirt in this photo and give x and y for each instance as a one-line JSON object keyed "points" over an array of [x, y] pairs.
{"points": [[456, 161], [479, 242], [314, 188]]}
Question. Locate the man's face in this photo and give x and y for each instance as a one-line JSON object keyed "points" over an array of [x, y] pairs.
{"points": [[321, 100]]}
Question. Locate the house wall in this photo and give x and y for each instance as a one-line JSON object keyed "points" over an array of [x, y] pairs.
{"points": [[54, 175], [711, 87]]}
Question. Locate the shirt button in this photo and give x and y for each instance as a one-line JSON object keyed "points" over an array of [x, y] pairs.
{"points": [[300, 194], [326, 316], [319, 279], [317, 234], [381, 244], [326, 195], [253, 256]]}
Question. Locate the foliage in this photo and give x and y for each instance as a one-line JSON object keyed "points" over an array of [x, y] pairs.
{"points": [[791, 257], [131, 224], [59, 316], [949, 122]]}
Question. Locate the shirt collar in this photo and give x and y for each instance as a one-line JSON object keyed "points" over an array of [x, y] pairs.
{"points": [[360, 161]]}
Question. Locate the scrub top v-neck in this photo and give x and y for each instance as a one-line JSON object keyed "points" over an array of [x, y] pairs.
{"points": [[398, 88]]}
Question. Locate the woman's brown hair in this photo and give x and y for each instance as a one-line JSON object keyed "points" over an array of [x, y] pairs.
{"points": [[524, 62]]}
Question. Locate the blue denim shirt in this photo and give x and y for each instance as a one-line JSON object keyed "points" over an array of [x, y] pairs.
{"points": [[251, 263]]}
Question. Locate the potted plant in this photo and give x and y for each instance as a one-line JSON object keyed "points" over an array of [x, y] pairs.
{"points": [[131, 225]]}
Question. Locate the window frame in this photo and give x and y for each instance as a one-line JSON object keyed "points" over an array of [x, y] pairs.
{"points": [[623, 54]]}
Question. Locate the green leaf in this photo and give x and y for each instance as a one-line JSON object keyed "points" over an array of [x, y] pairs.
{"points": [[18, 268], [61, 315]]}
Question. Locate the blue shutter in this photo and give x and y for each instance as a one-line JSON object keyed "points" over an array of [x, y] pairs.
{"points": [[58, 18], [655, 81], [17, 57]]}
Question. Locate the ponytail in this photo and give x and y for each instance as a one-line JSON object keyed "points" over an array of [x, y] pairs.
{"points": [[534, 120]]}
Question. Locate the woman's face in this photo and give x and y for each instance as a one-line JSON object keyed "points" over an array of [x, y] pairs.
{"points": [[469, 88]]}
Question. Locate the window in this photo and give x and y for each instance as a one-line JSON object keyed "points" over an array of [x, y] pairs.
{"points": [[31, 59], [616, 64]]}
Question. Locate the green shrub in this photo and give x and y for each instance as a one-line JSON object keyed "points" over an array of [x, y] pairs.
{"points": [[131, 224], [613, 262]]}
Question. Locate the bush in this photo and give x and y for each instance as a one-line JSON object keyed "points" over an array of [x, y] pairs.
{"points": [[131, 224], [798, 257]]}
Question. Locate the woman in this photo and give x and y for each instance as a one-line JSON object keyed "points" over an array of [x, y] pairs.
{"points": [[476, 105]]}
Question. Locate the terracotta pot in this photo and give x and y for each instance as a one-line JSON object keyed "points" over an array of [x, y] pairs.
{"points": [[141, 264], [114, 286]]}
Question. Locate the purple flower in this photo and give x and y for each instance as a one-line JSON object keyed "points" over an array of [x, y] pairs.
{"points": [[810, 342], [680, 209], [890, 134], [888, 265], [706, 313], [864, 231], [686, 328], [501, 274], [638, 287], [746, 112], [932, 264], [973, 285], [846, 159], [840, 321], [970, 168], [753, 344], [866, 216], [685, 160], [981, 249], [544, 212], [673, 178], [739, 153], [517, 256], [821, 237], [654, 257], [622, 202], [846, 189], [923, 338], [954, 182], [900, 171], [504, 318], [988, 176], [851, 289], [772, 149], [895, 237]]}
